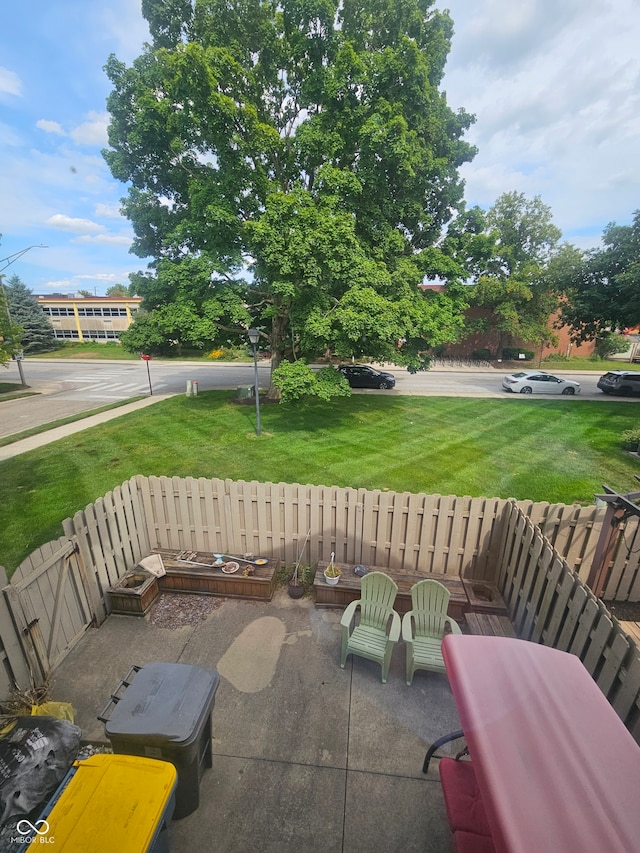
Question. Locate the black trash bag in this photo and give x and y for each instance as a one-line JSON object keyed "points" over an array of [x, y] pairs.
{"points": [[35, 756]]}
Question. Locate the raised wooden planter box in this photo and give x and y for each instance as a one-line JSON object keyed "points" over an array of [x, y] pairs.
{"points": [[348, 589], [134, 593], [484, 597], [211, 580]]}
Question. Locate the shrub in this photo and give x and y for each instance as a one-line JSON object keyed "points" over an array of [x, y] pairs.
{"points": [[481, 355], [608, 344], [297, 380], [514, 353], [630, 438]]}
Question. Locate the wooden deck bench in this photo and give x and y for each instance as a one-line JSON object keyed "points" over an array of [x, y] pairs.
{"points": [[489, 625], [348, 589]]}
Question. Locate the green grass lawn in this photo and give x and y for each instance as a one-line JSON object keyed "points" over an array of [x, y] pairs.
{"points": [[542, 450]]}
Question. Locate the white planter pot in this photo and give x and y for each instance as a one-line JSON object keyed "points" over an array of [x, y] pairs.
{"points": [[332, 581]]}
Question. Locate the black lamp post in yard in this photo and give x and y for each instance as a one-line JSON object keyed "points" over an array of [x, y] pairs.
{"points": [[254, 336]]}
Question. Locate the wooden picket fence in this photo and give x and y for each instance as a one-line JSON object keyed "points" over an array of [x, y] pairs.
{"points": [[62, 587], [549, 604]]}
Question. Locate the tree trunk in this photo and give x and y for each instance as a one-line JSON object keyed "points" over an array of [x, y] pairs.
{"points": [[278, 330]]}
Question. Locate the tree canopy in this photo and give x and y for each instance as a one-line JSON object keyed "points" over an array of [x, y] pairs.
{"points": [[36, 333], [121, 290], [512, 281], [602, 287], [299, 158], [10, 332]]}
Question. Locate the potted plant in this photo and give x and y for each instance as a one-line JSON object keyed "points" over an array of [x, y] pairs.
{"points": [[332, 573]]}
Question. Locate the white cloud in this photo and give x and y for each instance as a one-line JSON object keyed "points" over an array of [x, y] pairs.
{"points": [[105, 239], [10, 83], [93, 131], [50, 127], [555, 90], [74, 225], [98, 277], [122, 20], [109, 211]]}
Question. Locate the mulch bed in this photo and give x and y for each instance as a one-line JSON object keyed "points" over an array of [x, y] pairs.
{"points": [[177, 610]]}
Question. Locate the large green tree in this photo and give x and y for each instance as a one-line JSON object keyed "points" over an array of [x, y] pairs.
{"points": [[121, 290], [514, 287], [303, 149], [37, 333], [602, 287]]}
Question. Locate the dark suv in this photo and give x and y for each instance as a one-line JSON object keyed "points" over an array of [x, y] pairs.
{"points": [[623, 382], [363, 376]]}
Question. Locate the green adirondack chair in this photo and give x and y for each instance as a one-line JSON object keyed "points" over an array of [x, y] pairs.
{"points": [[379, 627], [423, 627]]}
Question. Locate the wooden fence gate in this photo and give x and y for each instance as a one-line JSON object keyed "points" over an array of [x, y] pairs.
{"points": [[49, 601]]}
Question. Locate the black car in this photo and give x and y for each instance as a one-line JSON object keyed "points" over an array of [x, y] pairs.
{"points": [[363, 376], [623, 382]]}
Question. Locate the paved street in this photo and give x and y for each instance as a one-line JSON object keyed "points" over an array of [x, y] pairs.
{"points": [[105, 381], [67, 388]]}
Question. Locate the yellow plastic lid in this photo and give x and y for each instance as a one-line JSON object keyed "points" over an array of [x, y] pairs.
{"points": [[112, 802]]}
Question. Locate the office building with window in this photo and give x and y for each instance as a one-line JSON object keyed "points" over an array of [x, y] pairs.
{"points": [[89, 318]]}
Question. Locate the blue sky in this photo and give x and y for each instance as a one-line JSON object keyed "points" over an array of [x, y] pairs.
{"points": [[555, 88]]}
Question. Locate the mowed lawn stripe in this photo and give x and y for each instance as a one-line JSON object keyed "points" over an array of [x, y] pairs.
{"points": [[541, 450]]}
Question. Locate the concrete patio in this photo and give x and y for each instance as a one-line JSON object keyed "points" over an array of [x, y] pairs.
{"points": [[306, 756]]}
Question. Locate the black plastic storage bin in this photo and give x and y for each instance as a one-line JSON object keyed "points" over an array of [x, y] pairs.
{"points": [[163, 710]]}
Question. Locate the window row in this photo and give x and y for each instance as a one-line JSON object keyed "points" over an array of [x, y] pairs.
{"points": [[86, 312], [87, 334]]}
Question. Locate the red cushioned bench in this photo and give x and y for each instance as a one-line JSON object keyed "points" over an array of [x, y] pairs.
{"points": [[465, 810]]}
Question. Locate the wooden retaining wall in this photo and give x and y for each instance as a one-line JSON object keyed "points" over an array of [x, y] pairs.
{"points": [[548, 603]]}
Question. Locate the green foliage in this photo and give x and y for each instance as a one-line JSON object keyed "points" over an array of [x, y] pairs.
{"points": [[513, 287], [514, 353], [10, 333], [610, 343], [482, 354], [309, 142], [121, 290], [630, 438], [36, 332], [295, 380], [602, 287], [524, 231]]}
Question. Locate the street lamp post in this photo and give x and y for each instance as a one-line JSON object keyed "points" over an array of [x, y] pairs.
{"points": [[254, 336]]}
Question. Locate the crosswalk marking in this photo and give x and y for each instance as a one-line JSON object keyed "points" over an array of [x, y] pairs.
{"points": [[108, 386]]}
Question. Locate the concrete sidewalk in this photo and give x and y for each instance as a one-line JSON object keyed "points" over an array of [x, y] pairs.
{"points": [[36, 411], [307, 757]]}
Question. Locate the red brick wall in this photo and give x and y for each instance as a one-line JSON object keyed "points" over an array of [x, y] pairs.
{"points": [[464, 348]]}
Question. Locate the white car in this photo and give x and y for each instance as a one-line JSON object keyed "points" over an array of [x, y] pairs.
{"points": [[535, 382]]}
